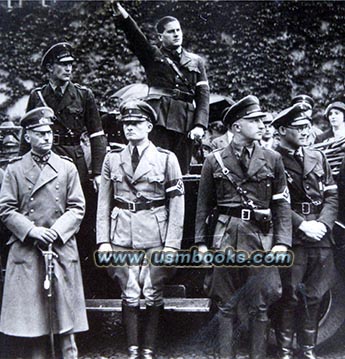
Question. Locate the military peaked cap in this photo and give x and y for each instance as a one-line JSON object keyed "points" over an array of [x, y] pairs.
{"points": [[37, 117], [303, 99], [60, 52], [337, 104], [137, 110], [246, 108], [292, 114]]}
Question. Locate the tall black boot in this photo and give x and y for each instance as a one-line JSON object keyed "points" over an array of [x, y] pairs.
{"points": [[226, 336], [153, 314], [130, 321], [259, 327], [307, 331], [285, 330]]}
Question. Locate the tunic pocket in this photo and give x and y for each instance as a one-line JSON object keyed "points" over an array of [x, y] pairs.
{"points": [[156, 184], [114, 216], [162, 221]]}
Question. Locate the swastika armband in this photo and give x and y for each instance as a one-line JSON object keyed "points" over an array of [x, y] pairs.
{"points": [[285, 195], [174, 188]]}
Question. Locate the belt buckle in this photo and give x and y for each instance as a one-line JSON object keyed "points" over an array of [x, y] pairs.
{"points": [[132, 206], [245, 214], [306, 207], [56, 139]]}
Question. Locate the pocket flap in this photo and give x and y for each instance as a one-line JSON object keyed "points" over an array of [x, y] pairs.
{"points": [[117, 177], [158, 178]]}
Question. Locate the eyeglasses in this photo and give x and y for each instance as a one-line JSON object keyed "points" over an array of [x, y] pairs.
{"points": [[300, 128]]}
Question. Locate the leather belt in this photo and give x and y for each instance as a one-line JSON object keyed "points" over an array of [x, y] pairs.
{"points": [[306, 207], [66, 140], [174, 93], [135, 207], [244, 213]]}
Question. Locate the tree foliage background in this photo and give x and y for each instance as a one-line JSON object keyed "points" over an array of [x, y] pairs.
{"points": [[273, 49]]}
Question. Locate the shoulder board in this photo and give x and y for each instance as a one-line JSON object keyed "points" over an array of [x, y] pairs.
{"points": [[163, 150], [119, 149], [66, 158], [218, 149], [80, 87], [15, 159]]}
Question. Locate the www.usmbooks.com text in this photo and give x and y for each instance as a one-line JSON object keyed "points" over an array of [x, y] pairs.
{"points": [[193, 258]]}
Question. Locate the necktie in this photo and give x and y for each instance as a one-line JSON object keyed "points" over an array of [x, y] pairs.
{"points": [[135, 158], [299, 158], [58, 92], [244, 159]]}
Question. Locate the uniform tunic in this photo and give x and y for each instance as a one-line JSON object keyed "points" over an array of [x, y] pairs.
{"points": [[313, 264], [76, 111], [157, 177], [52, 198], [265, 185], [176, 114]]}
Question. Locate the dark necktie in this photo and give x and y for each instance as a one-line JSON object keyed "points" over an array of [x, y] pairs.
{"points": [[299, 158], [135, 158], [244, 159], [58, 92]]}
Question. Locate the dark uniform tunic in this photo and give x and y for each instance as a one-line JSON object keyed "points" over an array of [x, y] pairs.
{"points": [[181, 102], [313, 197], [265, 185], [76, 113], [157, 178]]}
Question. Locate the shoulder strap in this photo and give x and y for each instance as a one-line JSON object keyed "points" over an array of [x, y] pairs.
{"points": [[244, 198], [178, 72]]}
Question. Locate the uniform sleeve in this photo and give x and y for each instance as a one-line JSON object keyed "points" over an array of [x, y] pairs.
{"points": [[15, 222], [341, 193], [68, 224], [175, 193], [138, 42], [207, 200], [329, 210], [280, 206], [105, 196], [97, 138], [202, 98]]}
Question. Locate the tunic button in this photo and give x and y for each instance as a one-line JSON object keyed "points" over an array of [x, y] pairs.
{"points": [[57, 198], [57, 186], [307, 186], [30, 187], [32, 210], [32, 198]]}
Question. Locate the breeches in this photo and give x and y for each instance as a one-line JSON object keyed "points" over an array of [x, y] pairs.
{"points": [[255, 288], [310, 277], [143, 278]]}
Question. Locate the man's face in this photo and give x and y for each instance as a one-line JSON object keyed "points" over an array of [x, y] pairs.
{"points": [[335, 117], [40, 139], [268, 132], [136, 131], [60, 71], [251, 129], [172, 36], [296, 134]]}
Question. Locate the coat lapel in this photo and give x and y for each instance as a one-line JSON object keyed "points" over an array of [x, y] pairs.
{"points": [[185, 58], [231, 162], [257, 161], [31, 170], [68, 97], [48, 173], [126, 162], [310, 160], [146, 162]]}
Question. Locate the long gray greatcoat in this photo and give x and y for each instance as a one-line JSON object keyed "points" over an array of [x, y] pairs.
{"points": [[52, 198]]}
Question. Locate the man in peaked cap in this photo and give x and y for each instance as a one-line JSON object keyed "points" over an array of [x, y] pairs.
{"points": [[75, 110], [178, 85], [140, 207], [314, 204], [42, 203], [238, 180]]}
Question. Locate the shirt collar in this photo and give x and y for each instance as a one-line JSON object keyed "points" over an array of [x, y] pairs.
{"points": [[63, 87], [141, 148]]}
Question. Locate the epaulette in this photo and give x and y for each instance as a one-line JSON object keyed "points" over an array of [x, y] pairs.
{"points": [[80, 87], [15, 159], [66, 158], [163, 150], [118, 149]]}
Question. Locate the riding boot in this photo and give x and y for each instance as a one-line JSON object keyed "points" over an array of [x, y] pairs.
{"points": [[284, 330], [153, 314], [259, 327], [307, 332], [130, 321], [226, 337]]}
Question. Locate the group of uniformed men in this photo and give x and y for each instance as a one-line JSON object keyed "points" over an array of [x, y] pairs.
{"points": [[141, 204]]}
